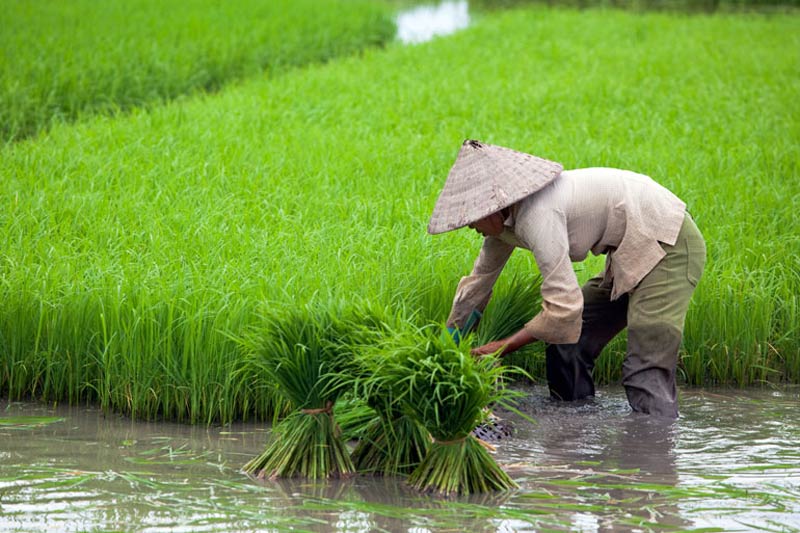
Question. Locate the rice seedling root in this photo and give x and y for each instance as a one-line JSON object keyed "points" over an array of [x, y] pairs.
{"points": [[460, 466], [308, 443]]}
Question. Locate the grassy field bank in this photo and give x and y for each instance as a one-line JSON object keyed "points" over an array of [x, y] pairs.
{"points": [[63, 59], [133, 247]]}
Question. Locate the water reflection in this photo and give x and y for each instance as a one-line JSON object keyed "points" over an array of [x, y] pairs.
{"points": [[608, 458], [423, 23], [730, 459]]}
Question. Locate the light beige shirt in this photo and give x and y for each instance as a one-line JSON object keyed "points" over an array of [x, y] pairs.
{"points": [[600, 210]]}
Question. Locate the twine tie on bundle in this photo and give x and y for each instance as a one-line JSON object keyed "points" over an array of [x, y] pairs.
{"points": [[462, 439], [328, 409]]}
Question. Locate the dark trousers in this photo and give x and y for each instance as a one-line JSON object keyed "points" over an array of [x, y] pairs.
{"points": [[654, 313]]}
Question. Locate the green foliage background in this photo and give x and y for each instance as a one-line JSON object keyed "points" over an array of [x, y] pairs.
{"points": [[134, 246], [60, 60]]}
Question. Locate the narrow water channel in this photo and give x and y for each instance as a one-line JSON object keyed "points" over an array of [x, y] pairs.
{"points": [[731, 462], [424, 22]]}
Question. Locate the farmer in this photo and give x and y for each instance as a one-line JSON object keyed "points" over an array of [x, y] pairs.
{"points": [[654, 259]]}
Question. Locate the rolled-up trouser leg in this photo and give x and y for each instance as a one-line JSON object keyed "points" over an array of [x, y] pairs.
{"points": [[569, 366], [656, 312]]}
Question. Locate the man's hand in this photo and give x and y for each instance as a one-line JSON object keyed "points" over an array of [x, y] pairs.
{"points": [[491, 348], [505, 346]]}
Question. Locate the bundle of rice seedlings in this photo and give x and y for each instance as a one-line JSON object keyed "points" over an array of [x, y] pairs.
{"points": [[393, 442], [303, 354], [390, 441], [447, 390]]}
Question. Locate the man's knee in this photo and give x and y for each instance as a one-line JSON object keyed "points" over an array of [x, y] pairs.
{"points": [[569, 375], [649, 369]]}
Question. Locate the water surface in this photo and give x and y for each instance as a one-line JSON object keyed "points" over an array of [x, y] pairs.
{"points": [[424, 22], [730, 463]]}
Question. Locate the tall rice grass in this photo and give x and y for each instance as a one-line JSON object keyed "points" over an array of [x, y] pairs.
{"points": [[62, 59], [134, 248]]}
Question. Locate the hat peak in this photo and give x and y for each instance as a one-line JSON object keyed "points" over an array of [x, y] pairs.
{"points": [[478, 185]]}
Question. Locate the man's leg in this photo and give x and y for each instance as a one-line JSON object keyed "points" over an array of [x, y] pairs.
{"points": [[569, 366], [656, 312]]}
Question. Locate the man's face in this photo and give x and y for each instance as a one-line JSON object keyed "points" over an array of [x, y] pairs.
{"points": [[489, 226]]}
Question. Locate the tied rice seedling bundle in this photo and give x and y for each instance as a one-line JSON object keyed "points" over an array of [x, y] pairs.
{"points": [[302, 354], [393, 441], [448, 390]]}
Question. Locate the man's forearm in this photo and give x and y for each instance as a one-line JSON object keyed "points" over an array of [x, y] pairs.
{"points": [[518, 340], [507, 345]]}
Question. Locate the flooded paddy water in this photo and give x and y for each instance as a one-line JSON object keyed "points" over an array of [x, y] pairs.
{"points": [[730, 463], [423, 22]]}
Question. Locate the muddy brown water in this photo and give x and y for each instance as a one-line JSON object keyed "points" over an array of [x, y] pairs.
{"points": [[731, 462]]}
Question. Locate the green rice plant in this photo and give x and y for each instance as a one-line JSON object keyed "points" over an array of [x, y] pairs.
{"points": [[27, 422], [447, 390], [513, 305], [132, 248], [63, 59], [353, 416], [301, 354], [651, 5]]}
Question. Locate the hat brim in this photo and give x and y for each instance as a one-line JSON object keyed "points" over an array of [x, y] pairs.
{"points": [[485, 179]]}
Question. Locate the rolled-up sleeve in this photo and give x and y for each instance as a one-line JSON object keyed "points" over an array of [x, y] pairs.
{"points": [[546, 235], [475, 290]]}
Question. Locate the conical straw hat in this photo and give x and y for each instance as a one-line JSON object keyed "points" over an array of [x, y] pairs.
{"points": [[486, 179]]}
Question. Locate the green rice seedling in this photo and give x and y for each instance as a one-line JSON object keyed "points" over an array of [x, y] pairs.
{"points": [[301, 354], [27, 422], [353, 415], [447, 390], [514, 304], [508, 311]]}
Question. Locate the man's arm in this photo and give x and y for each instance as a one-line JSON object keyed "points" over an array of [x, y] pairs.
{"points": [[559, 321], [474, 291]]}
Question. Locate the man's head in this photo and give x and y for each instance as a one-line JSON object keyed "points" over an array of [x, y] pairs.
{"points": [[490, 226]]}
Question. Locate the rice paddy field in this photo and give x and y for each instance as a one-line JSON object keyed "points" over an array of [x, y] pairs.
{"points": [[175, 175], [64, 60]]}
